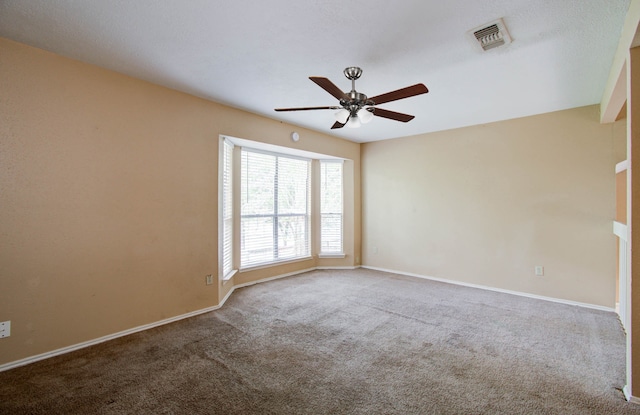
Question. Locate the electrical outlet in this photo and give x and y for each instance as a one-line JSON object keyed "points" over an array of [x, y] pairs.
{"points": [[539, 269], [209, 279], [5, 329]]}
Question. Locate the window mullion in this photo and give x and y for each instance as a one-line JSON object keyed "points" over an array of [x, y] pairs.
{"points": [[275, 212], [331, 207]]}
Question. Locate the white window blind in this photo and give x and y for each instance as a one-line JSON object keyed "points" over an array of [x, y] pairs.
{"points": [[275, 214], [331, 207], [227, 208]]}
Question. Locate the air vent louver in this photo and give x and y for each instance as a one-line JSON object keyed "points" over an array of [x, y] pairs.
{"points": [[492, 35]]}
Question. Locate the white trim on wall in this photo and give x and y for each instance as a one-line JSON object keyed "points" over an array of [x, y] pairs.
{"points": [[78, 346], [500, 290], [622, 166], [620, 230], [68, 349], [347, 268], [629, 397]]}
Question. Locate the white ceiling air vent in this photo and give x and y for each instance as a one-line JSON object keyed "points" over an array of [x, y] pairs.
{"points": [[492, 35]]}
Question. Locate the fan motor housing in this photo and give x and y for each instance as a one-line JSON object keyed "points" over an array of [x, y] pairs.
{"points": [[357, 96], [357, 100]]}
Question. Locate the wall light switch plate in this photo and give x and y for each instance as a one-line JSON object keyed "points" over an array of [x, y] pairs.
{"points": [[539, 271], [209, 279], [5, 329]]}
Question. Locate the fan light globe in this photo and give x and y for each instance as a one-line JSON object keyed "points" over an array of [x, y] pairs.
{"points": [[342, 115], [365, 116], [354, 121]]}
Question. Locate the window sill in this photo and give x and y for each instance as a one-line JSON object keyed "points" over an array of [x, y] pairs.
{"points": [[332, 255], [228, 277], [275, 264]]}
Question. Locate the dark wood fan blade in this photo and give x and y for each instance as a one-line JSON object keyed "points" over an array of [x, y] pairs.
{"points": [[407, 92], [330, 87], [336, 125], [392, 115], [307, 108]]}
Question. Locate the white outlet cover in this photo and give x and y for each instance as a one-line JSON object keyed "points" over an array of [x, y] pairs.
{"points": [[5, 329]]}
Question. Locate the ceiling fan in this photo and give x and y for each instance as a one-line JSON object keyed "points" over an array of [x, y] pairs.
{"points": [[356, 108]]}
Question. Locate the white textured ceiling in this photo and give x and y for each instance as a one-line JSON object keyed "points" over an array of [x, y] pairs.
{"points": [[257, 55]]}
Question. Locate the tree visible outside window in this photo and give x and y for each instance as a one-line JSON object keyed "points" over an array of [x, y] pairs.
{"points": [[275, 208]]}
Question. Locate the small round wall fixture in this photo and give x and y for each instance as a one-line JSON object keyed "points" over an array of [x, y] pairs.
{"points": [[295, 136]]}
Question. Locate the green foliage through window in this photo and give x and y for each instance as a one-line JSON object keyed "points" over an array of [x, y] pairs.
{"points": [[275, 208]]}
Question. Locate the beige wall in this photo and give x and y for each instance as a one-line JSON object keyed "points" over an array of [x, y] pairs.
{"points": [[108, 188], [109, 202], [485, 204]]}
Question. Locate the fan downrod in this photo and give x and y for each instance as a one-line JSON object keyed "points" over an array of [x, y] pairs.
{"points": [[356, 100]]}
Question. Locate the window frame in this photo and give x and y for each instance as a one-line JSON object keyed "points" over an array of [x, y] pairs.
{"points": [[275, 215], [314, 224], [226, 263], [334, 253]]}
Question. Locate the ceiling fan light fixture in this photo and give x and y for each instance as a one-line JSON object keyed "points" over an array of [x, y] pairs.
{"points": [[355, 107], [365, 115], [354, 121], [342, 116]]}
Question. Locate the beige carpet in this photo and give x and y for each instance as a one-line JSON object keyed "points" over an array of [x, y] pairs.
{"points": [[345, 342]]}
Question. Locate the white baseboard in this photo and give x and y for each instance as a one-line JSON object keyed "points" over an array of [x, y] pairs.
{"points": [[500, 290], [276, 277], [338, 268], [68, 349], [57, 352], [629, 397]]}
